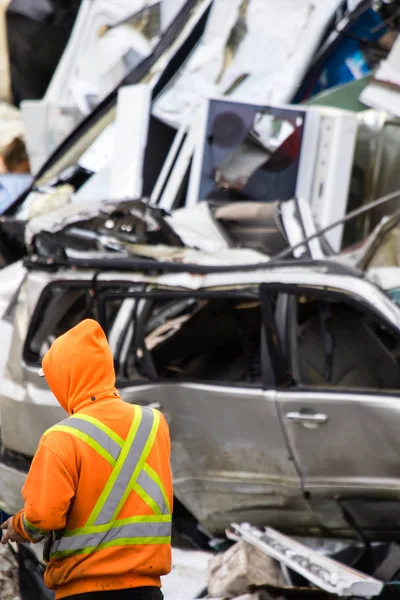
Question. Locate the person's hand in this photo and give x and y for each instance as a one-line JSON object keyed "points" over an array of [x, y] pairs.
{"points": [[9, 535]]}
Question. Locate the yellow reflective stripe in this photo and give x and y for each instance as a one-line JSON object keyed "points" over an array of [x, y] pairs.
{"points": [[131, 531], [33, 533], [31, 527], [141, 462], [154, 476], [118, 466], [107, 526], [145, 529], [146, 498], [86, 438], [113, 544], [114, 436], [49, 430]]}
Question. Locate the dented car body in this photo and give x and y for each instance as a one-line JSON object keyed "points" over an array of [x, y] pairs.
{"points": [[273, 355], [279, 379]]}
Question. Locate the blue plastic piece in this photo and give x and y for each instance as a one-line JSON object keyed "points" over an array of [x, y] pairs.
{"points": [[348, 62]]}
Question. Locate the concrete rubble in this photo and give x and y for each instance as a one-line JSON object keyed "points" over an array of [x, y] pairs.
{"points": [[240, 568]]}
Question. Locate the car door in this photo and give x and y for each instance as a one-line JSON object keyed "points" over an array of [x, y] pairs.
{"points": [[342, 413], [229, 456]]}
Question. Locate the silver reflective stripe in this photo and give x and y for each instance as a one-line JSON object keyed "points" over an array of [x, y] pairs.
{"points": [[92, 540], [152, 489], [133, 457], [130, 469], [35, 534], [94, 432]]}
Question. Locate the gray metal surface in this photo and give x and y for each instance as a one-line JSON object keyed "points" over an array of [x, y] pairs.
{"points": [[239, 453], [229, 455], [352, 453]]}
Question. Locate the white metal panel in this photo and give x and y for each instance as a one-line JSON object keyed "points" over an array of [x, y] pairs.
{"points": [[308, 154], [90, 68], [338, 133], [293, 229], [197, 228], [279, 38], [296, 230], [45, 128], [310, 229], [80, 60], [35, 117], [169, 10], [131, 129], [100, 153], [180, 169]]}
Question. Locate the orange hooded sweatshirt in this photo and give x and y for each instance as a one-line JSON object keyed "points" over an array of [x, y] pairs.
{"points": [[67, 475]]}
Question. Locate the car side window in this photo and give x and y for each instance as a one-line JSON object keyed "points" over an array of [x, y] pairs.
{"points": [[210, 339], [215, 338], [60, 307], [338, 345]]}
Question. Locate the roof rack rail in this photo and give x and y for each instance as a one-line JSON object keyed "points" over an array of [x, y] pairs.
{"points": [[145, 265]]}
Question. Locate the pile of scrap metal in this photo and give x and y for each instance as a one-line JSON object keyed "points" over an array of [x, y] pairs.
{"points": [[178, 147], [264, 565], [242, 255], [255, 360]]}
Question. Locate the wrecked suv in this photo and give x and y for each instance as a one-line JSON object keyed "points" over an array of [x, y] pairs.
{"points": [[280, 383]]}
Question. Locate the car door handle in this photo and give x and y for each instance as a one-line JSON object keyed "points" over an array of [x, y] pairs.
{"points": [[304, 418]]}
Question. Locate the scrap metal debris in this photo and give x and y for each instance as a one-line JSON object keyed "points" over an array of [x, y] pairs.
{"points": [[209, 183], [265, 564], [323, 572]]}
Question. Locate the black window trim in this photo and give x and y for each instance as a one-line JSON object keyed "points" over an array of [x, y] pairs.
{"points": [[280, 361], [101, 294], [91, 285], [252, 291]]}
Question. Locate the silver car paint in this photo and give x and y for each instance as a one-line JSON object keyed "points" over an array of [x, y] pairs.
{"points": [[354, 453], [230, 456]]}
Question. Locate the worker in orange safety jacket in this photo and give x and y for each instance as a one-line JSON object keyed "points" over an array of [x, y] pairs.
{"points": [[100, 482]]}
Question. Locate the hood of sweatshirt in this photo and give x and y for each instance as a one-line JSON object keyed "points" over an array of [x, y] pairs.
{"points": [[79, 366]]}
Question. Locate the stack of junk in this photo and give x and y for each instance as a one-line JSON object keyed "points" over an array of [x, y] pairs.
{"points": [[199, 166]]}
